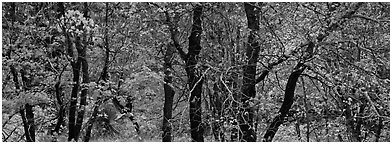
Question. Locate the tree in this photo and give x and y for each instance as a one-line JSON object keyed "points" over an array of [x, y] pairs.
{"points": [[245, 71], [195, 79], [246, 118]]}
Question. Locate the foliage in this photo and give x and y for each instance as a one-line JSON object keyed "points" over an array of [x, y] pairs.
{"points": [[342, 94]]}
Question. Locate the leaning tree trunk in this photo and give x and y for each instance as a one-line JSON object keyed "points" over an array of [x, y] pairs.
{"points": [[290, 87], [246, 117], [287, 102], [195, 80]]}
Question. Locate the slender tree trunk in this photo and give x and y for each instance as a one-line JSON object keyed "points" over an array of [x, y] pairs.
{"points": [[104, 77], [75, 64], [195, 80], [379, 129], [169, 95], [105, 73], [57, 86], [246, 117], [287, 102], [28, 108], [85, 78], [92, 119], [22, 109], [60, 120], [216, 100], [359, 119], [26, 112], [74, 96]]}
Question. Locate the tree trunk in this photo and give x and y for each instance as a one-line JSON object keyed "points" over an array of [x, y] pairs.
{"points": [[104, 77], [57, 86], [195, 80], [169, 95], [75, 64], [216, 100], [22, 110], [246, 117], [359, 119], [26, 112], [74, 96], [85, 79], [287, 102], [379, 129], [105, 73], [28, 109], [92, 119], [290, 87], [60, 120]]}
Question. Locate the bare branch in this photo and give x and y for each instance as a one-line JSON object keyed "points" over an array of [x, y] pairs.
{"points": [[369, 18]]}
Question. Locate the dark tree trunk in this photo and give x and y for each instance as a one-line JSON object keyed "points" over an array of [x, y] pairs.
{"points": [[105, 73], [58, 93], [82, 52], [287, 102], [246, 117], [195, 80], [90, 123], [26, 112], [57, 86], [75, 64], [30, 122], [30, 133], [169, 95], [104, 77], [23, 111], [290, 87], [349, 123], [92, 119], [74, 96], [379, 129], [217, 104], [359, 119]]}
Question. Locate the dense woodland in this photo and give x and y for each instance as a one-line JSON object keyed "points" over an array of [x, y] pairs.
{"points": [[195, 71]]}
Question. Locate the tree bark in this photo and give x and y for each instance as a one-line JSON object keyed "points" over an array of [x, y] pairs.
{"points": [[28, 109], [82, 52], [169, 95], [92, 119], [379, 129], [359, 119], [26, 112], [287, 102], [246, 117], [59, 94], [73, 101], [57, 86], [195, 80], [105, 73]]}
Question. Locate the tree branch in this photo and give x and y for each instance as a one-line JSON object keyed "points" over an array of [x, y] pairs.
{"points": [[369, 18], [270, 67]]}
